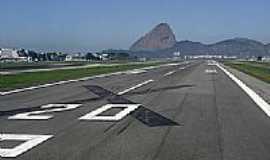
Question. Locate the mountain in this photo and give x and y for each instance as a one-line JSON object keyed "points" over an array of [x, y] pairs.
{"points": [[267, 47], [242, 47], [190, 48], [239, 47], [161, 37], [160, 43]]}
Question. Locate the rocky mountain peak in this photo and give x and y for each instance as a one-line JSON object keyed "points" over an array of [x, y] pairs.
{"points": [[160, 37]]}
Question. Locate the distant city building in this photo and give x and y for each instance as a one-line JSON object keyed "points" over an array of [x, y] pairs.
{"points": [[104, 56], [176, 54], [69, 58], [143, 59], [7, 54], [266, 59]]}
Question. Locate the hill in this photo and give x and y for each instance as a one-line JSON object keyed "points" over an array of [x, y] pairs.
{"points": [[161, 37], [239, 47], [267, 47]]}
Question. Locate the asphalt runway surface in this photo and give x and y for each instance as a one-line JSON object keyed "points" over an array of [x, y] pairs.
{"points": [[184, 112]]}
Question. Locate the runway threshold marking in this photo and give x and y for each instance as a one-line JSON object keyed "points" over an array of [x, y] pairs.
{"points": [[29, 141], [252, 94]]}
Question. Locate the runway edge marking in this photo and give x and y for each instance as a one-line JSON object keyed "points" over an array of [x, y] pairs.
{"points": [[252, 94]]}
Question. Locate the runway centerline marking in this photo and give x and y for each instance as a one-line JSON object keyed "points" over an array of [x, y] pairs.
{"points": [[169, 73], [252, 94], [182, 68], [135, 87], [136, 71], [210, 71]]}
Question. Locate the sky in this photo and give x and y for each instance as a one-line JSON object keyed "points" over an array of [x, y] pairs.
{"points": [[93, 25]]}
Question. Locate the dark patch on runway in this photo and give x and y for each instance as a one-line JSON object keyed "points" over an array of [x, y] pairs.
{"points": [[105, 93], [144, 115], [151, 118]]}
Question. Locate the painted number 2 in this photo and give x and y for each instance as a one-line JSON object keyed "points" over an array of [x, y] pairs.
{"points": [[49, 108]]}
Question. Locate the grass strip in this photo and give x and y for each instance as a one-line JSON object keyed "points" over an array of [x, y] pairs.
{"points": [[261, 71], [8, 82]]}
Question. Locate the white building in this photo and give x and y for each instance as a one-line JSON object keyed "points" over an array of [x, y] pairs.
{"points": [[69, 58], [8, 54], [266, 59]]}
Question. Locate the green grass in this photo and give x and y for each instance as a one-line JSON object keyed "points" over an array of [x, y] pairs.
{"points": [[260, 71], [8, 82], [37, 65]]}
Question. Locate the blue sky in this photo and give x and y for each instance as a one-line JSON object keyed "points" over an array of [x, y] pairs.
{"points": [[74, 25]]}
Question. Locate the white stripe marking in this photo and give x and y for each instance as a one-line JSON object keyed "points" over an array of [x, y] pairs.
{"points": [[182, 68], [30, 142], [136, 71], [135, 87], [253, 95], [169, 73], [210, 71]]}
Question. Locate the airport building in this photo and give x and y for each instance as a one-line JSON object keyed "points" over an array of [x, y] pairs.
{"points": [[7, 54]]}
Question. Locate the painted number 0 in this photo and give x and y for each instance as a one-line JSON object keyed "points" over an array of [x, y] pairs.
{"points": [[95, 115]]}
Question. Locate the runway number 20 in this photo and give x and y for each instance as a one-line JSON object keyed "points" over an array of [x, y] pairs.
{"points": [[30, 141], [94, 115]]}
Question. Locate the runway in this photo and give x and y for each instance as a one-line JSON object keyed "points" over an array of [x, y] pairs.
{"points": [[178, 112]]}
